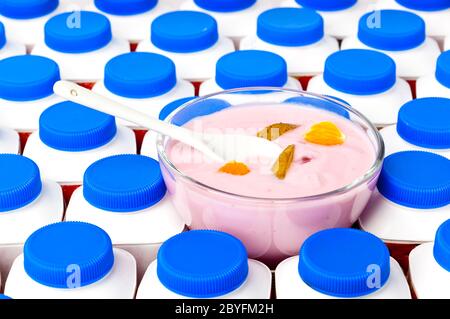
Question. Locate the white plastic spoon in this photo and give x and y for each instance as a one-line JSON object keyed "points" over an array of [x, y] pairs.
{"points": [[218, 147]]}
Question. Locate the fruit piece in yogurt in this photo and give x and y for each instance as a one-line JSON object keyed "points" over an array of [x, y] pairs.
{"points": [[235, 168], [284, 162], [274, 131], [325, 133]]}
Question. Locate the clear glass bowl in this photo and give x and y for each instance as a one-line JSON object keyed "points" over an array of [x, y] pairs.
{"points": [[271, 229]]}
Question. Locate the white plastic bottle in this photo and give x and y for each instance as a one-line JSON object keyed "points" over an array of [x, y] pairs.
{"points": [[144, 81], [399, 34], [8, 48], [24, 95], [71, 137], [341, 263], [340, 15], [27, 203], [71, 260], [191, 40], [423, 124], [9, 141], [205, 264], [429, 266], [365, 79], [295, 34], [437, 83], [81, 43], [126, 196]]}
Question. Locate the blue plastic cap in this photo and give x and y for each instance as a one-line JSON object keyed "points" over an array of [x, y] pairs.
{"points": [[4, 297], [17, 83], [184, 31], [198, 109], [68, 255], [140, 75], [360, 72], [77, 32], [416, 179], [20, 182], [344, 262], [2, 35], [441, 248], [320, 104], [71, 127], [428, 5], [290, 26], [125, 7], [225, 5], [169, 108], [250, 68], [124, 183], [27, 9], [202, 264], [327, 5], [397, 30], [425, 122], [443, 69]]}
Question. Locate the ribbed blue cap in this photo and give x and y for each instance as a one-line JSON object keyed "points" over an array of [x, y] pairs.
{"points": [[27, 9], [327, 5], [125, 7], [290, 26], [398, 30], [71, 127], [320, 104], [172, 106], [184, 31], [198, 109], [360, 72], [140, 75], [20, 182], [443, 69], [124, 183], [65, 254], [250, 68], [428, 5], [77, 32], [202, 264], [17, 83], [416, 179], [225, 5], [2, 35], [342, 262], [425, 122], [441, 248]]}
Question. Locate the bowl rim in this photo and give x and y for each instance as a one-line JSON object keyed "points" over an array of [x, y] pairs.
{"points": [[367, 176]]}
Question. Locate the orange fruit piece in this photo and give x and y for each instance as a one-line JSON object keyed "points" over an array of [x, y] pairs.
{"points": [[235, 168], [325, 133], [283, 162]]}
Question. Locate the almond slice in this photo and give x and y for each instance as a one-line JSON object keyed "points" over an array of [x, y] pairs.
{"points": [[235, 168], [325, 133], [283, 162], [274, 131]]}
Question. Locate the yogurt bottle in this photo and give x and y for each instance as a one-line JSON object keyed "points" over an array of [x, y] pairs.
{"points": [[126, 196], [9, 141], [27, 203], [81, 43], [429, 267], [341, 263], [8, 48], [205, 264], [144, 81], [191, 40], [367, 80], [131, 19], [73, 137], [423, 125], [236, 18], [401, 35], [411, 201], [339, 15], [24, 20], [437, 83], [71, 260], [24, 95], [295, 34]]}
